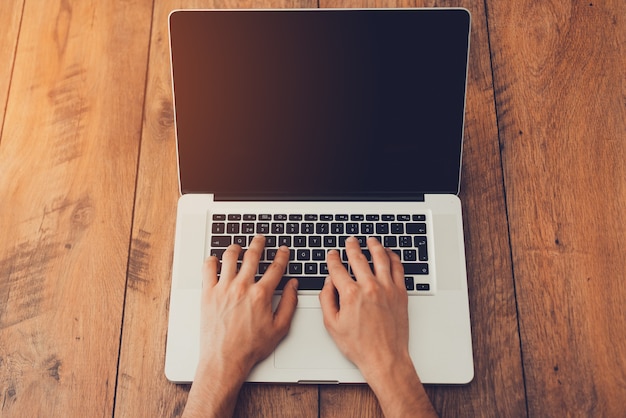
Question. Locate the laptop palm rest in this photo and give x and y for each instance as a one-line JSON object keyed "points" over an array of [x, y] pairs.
{"points": [[308, 345]]}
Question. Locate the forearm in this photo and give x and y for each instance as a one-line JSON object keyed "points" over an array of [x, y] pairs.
{"points": [[214, 391], [400, 391]]}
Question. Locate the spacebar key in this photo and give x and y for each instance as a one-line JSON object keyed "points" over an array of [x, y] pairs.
{"points": [[304, 283]]}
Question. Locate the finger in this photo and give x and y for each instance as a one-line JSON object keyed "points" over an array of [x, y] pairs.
{"points": [[397, 271], [229, 262], [286, 307], [358, 261], [276, 270], [337, 271], [209, 272], [251, 258], [328, 302], [380, 257]]}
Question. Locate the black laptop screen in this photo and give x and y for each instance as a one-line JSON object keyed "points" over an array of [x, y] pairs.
{"points": [[319, 103]]}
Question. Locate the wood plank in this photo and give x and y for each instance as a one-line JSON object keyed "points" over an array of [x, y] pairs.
{"points": [[559, 77], [10, 19], [143, 389], [68, 161], [498, 387]]}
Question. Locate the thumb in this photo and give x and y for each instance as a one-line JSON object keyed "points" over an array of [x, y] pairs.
{"points": [[328, 302], [286, 307]]}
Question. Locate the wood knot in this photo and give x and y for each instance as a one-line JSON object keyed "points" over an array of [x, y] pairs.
{"points": [[83, 214]]}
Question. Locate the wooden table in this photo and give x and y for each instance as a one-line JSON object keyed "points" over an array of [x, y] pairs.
{"points": [[88, 191]]}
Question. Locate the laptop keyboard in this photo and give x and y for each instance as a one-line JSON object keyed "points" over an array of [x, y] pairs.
{"points": [[311, 236]]}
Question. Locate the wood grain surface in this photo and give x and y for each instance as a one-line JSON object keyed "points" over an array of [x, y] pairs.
{"points": [[88, 188], [559, 76], [68, 157]]}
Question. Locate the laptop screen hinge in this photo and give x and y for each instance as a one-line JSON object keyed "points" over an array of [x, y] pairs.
{"points": [[417, 197]]}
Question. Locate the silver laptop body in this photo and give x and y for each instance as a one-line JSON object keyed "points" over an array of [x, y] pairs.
{"points": [[323, 121]]}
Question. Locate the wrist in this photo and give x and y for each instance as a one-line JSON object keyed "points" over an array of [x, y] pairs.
{"points": [[215, 388], [399, 389]]}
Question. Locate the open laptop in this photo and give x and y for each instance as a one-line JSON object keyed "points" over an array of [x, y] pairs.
{"points": [[309, 126]]}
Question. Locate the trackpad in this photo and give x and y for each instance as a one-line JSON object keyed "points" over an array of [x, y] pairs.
{"points": [[308, 345]]}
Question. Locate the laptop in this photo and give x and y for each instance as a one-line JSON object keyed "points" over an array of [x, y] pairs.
{"points": [[309, 126]]}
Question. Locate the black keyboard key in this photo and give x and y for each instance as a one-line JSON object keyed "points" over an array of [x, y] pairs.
{"points": [[344, 255], [322, 228], [270, 253], [293, 228], [422, 248], [247, 228], [249, 217], [233, 217], [303, 255], [397, 228], [367, 228], [419, 218], [263, 267], [232, 228], [408, 282], [324, 268], [311, 217], [352, 228], [284, 240], [372, 217], [219, 217], [307, 228], [382, 228], [389, 218], [218, 228], [422, 286], [336, 228], [341, 218], [404, 218], [357, 218], [323, 218], [315, 241], [318, 255], [278, 228], [265, 217], [217, 252], [362, 241], [240, 240], [310, 268], [405, 241], [416, 228], [304, 283], [390, 241], [342, 240], [295, 217], [280, 217], [299, 241], [415, 268], [220, 241], [409, 255], [294, 268], [330, 241], [270, 241], [263, 228]]}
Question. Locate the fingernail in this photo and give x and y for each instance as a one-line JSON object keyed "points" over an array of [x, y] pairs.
{"points": [[351, 238], [283, 248], [295, 284]]}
